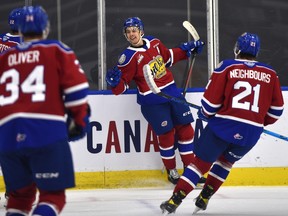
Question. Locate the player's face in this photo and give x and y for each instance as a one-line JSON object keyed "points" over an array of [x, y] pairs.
{"points": [[133, 35]]}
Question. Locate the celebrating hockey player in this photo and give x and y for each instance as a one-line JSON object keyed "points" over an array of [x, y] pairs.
{"points": [[242, 96], [41, 80], [168, 119]]}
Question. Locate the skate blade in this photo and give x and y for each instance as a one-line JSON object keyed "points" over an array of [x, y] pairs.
{"points": [[164, 212], [196, 210]]}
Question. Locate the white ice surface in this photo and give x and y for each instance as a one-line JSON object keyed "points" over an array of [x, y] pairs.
{"points": [[228, 201]]}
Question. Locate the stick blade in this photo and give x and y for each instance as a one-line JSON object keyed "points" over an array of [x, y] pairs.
{"points": [[190, 28], [149, 79]]}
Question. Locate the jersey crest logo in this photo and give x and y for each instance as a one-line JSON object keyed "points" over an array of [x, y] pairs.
{"points": [[157, 67], [122, 59]]}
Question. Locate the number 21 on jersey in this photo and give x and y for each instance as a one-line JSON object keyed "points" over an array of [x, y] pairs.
{"points": [[248, 90]]}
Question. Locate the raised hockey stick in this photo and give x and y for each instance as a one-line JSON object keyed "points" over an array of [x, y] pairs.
{"points": [[154, 88], [190, 28]]}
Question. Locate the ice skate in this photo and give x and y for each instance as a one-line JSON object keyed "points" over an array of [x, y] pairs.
{"points": [[202, 200], [6, 196], [201, 183], [173, 176], [172, 204]]}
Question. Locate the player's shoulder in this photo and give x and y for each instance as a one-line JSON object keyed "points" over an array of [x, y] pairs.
{"points": [[47, 45], [56, 43], [9, 38], [1, 36], [150, 38], [224, 64], [126, 56], [263, 65], [4, 37]]}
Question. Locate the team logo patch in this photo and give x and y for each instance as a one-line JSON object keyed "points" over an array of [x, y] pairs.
{"points": [[140, 58], [238, 136], [122, 59], [20, 137], [157, 67], [164, 123]]}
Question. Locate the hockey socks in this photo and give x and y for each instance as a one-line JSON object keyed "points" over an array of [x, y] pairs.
{"points": [[45, 209], [15, 212]]}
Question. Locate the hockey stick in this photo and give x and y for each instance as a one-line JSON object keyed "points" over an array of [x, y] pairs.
{"points": [[154, 88], [190, 28], [271, 133]]}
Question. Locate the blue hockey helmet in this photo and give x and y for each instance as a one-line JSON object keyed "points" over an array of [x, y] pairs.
{"points": [[247, 43], [13, 19], [133, 21], [34, 20]]}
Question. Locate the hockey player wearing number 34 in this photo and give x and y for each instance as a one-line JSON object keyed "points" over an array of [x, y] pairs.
{"points": [[241, 97], [168, 119], [41, 80]]}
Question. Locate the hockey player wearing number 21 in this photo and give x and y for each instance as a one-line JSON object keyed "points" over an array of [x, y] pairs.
{"points": [[40, 81], [241, 97], [166, 118]]}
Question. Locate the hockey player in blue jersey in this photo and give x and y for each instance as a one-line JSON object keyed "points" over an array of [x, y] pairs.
{"points": [[241, 97]]}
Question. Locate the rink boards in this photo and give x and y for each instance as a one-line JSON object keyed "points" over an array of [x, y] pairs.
{"points": [[122, 150]]}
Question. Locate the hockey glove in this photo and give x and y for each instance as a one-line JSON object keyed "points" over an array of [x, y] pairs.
{"points": [[192, 46], [202, 115], [113, 76], [75, 130]]}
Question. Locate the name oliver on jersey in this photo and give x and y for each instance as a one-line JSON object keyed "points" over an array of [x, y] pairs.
{"points": [[23, 57]]}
